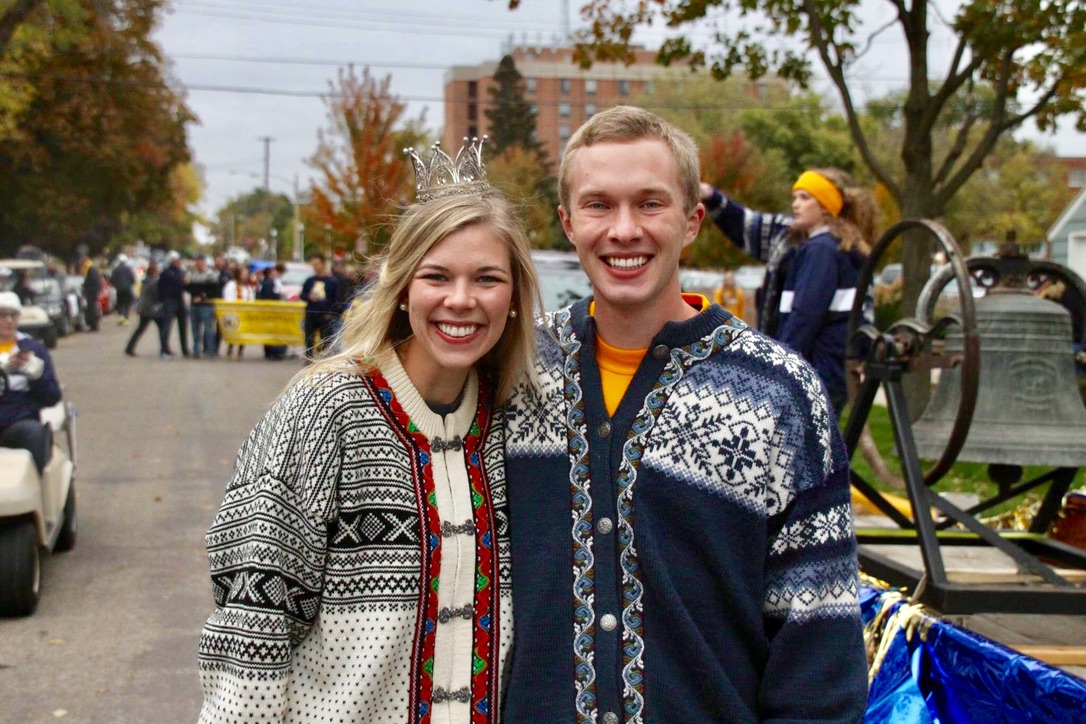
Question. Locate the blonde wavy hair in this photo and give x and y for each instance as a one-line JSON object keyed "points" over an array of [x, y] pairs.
{"points": [[375, 325], [854, 226]]}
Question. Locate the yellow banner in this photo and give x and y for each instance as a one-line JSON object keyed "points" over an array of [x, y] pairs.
{"points": [[262, 322]]}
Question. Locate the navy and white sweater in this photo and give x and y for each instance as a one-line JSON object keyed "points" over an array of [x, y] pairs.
{"points": [[691, 559], [767, 238], [818, 296]]}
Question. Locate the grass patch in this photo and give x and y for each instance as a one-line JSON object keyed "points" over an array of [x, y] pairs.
{"points": [[964, 477]]}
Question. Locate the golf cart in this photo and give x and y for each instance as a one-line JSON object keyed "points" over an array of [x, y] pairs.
{"points": [[37, 513]]}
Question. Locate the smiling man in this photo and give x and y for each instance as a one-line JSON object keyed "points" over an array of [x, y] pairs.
{"points": [[683, 547]]}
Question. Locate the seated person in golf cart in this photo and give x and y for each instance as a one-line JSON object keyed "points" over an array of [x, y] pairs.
{"points": [[28, 385]]}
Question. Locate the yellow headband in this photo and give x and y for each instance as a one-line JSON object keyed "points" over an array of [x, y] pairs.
{"points": [[822, 189]]}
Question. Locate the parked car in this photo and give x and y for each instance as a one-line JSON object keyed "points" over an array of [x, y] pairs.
{"points": [[562, 281], [700, 281], [293, 279], [34, 320], [889, 274], [49, 295], [750, 276]]}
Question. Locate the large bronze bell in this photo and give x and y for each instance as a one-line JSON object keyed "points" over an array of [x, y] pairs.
{"points": [[1028, 409]]}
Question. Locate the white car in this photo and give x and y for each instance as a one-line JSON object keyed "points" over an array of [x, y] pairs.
{"points": [[293, 279]]}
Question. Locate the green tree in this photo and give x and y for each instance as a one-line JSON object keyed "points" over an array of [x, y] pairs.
{"points": [[247, 220], [30, 30], [511, 118], [364, 177], [171, 225], [517, 163], [15, 14], [101, 138]]}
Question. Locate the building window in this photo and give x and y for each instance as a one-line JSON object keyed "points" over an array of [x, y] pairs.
{"points": [[624, 87], [534, 109], [563, 109], [589, 110], [473, 131], [648, 86], [529, 85], [563, 86], [1077, 178], [473, 112], [590, 86], [473, 88], [563, 131]]}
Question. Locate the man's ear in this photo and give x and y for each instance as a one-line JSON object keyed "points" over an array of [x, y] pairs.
{"points": [[567, 223], [693, 224]]}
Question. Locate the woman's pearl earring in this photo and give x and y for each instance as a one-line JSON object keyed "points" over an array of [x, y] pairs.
{"points": [[403, 306], [513, 314]]}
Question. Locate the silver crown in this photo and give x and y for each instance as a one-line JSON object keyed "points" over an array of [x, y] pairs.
{"points": [[445, 176]]}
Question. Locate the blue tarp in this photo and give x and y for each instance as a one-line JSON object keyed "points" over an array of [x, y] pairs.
{"points": [[953, 676]]}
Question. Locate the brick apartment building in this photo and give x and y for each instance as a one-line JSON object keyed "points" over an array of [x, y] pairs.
{"points": [[562, 93], [1076, 171]]}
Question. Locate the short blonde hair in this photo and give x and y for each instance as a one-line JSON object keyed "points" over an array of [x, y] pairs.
{"points": [[624, 124], [376, 325]]}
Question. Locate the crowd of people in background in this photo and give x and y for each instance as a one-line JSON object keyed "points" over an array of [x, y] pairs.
{"points": [[185, 291]]}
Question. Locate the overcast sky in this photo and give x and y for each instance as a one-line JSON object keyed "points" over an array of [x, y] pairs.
{"points": [[257, 68]]}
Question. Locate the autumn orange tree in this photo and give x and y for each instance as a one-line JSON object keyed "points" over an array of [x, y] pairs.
{"points": [[364, 176]]}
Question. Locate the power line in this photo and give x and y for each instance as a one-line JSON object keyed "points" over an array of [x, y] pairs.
{"points": [[383, 16], [308, 21], [271, 60]]}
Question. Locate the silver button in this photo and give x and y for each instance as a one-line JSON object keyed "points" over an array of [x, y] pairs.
{"points": [[609, 718], [604, 525], [608, 622], [660, 351], [604, 429]]}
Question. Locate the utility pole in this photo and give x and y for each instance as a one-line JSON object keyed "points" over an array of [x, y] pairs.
{"points": [[267, 184], [298, 228], [267, 162]]}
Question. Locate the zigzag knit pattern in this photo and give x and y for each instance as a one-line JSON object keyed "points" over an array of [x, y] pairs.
{"points": [[325, 596]]}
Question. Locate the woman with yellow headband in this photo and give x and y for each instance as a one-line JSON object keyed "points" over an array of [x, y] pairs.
{"points": [[813, 262]]}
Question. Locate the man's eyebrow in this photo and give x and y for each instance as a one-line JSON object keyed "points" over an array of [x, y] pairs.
{"points": [[594, 192]]}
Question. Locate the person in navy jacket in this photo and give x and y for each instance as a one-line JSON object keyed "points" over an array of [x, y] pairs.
{"points": [[31, 385], [809, 288], [837, 218]]}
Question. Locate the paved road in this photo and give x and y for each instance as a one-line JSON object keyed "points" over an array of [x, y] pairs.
{"points": [[114, 638]]}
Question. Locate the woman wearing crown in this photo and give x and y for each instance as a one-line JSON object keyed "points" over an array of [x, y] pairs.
{"points": [[360, 560]]}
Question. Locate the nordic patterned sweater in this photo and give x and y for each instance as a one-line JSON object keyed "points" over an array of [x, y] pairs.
{"points": [[692, 558], [360, 559]]}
